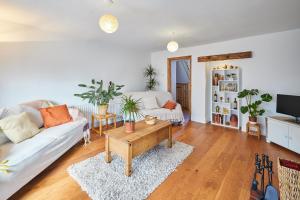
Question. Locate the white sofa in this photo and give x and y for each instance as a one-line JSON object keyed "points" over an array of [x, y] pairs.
{"points": [[30, 157], [175, 115]]}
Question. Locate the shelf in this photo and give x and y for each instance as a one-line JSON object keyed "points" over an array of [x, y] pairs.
{"points": [[225, 69], [216, 113], [228, 91], [226, 126], [221, 102], [227, 80], [230, 82]]}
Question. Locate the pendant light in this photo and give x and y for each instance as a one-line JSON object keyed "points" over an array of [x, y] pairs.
{"points": [[172, 45], [109, 23]]}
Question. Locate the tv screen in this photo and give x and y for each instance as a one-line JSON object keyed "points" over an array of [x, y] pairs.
{"points": [[288, 104]]}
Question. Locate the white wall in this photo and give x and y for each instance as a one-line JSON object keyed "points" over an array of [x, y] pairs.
{"points": [[274, 67], [52, 70]]}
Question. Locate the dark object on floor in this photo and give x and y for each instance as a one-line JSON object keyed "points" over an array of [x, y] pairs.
{"points": [[271, 193], [176, 123], [267, 192]]}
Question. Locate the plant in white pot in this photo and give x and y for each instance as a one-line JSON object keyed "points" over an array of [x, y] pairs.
{"points": [[96, 95], [130, 110], [253, 107]]}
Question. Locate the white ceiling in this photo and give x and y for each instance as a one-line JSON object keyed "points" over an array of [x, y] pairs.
{"points": [[146, 24]]}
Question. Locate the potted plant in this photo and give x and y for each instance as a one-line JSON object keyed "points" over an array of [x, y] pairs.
{"points": [[96, 95], [130, 110], [253, 107], [150, 74]]}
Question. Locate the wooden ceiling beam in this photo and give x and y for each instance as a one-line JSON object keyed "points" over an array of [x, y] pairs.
{"points": [[228, 56]]}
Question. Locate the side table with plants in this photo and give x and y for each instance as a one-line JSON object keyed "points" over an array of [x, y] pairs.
{"points": [[253, 103], [99, 96]]}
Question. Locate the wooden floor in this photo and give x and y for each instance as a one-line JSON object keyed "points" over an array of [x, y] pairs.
{"points": [[220, 167]]}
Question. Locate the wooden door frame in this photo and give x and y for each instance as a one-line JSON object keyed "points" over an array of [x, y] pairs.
{"points": [[169, 77]]}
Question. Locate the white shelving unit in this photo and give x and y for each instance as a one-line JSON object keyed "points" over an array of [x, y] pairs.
{"points": [[226, 84]]}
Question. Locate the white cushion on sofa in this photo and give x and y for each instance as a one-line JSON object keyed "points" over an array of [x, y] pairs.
{"points": [[33, 113], [150, 102]]}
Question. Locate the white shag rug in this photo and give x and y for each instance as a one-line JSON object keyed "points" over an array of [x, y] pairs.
{"points": [[103, 180]]}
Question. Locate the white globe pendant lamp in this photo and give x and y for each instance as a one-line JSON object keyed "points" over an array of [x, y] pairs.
{"points": [[172, 46], [108, 23]]}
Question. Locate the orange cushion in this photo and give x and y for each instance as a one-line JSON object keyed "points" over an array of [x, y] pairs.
{"points": [[170, 105], [56, 115]]}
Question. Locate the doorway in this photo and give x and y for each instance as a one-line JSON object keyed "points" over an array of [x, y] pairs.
{"points": [[179, 82]]}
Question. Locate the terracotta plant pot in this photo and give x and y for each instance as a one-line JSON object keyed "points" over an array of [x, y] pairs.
{"points": [[129, 127], [103, 109], [253, 120]]}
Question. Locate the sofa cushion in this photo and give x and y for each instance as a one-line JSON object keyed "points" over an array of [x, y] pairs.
{"points": [[150, 102], [39, 104], [56, 115], [18, 127], [33, 113], [170, 105], [161, 96]]}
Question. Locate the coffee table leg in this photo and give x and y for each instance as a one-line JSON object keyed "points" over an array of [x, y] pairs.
{"points": [[107, 152], [100, 126], [128, 161], [115, 121], [93, 119], [170, 137], [106, 121]]}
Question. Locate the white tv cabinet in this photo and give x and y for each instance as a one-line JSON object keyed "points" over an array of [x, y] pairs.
{"points": [[284, 131]]}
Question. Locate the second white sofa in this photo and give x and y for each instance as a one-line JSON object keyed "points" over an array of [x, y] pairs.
{"points": [[175, 115]]}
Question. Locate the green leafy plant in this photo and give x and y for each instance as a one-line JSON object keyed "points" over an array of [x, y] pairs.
{"points": [[97, 95], [4, 168], [253, 107], [150, 74], [130, 108]]}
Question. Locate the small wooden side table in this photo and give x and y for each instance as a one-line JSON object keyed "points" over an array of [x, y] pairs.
{"points": [[100, 118], [256, 132]]}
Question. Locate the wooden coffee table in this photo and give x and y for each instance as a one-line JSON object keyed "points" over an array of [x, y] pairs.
{"points": [[130, 145]]}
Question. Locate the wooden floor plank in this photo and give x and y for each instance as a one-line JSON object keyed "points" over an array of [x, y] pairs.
{"points": [[220, 167]]}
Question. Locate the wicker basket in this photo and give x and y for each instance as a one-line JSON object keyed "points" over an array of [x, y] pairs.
{"points": [[150, 120], [289, 182]]}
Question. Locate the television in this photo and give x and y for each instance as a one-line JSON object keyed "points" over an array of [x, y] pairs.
{"points": [[289, 105]]}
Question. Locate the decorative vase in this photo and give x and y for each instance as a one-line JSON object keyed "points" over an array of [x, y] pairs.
{"points": [[129, 127], [234, 120], [103, 109], [253, 120]]}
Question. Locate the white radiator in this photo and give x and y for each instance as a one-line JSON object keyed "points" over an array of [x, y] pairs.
{"points": [[88, 109]]}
